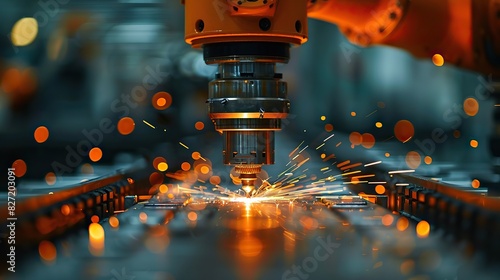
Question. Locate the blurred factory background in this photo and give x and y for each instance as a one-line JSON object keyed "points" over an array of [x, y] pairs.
{"points": [[85, 62]]}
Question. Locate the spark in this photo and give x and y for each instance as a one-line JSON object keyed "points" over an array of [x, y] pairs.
{"points": [[304, 149], [319, 147], [373, 163], [324, 169], [497, 105], [402, 184], [329, 157], [338, 144], [295, 150], [355, 183], [343, 163], [401, 171], [350, 173], [371, 113], [148, 124], [388, 138], [328, 138], [377, 183], [184, 145], [364, 176], [350, 166]]}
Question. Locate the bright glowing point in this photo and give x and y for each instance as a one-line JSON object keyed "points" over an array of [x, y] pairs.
{"points": [[438, 60], [24, 32]]}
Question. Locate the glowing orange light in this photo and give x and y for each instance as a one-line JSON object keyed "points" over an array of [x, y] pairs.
{"points": [[143, 217], [156, 178], [163, 188], [196, 155], [95, 154], [413, 159], [423, 228], [87, 168], [250, 246], [407, 267], [387, 220], [20, 167], [353, 114], [380, 189], [387, 155], [456, 133], [328, 127], [204, 169], [65, 210], [368, 140], [94, 219], [185, 166], [96, 239], [162, 166], [428, 160], [355, 138], [471, 106], [114, 222], [161, 100], [323, 118], [308, 223], [215, 180], [402, 224], [404, 130], [476, 183], [438, 60], [378, 124], [474, 143], [323, 156], [157, 161], [41, 134], [96, 231], [126, 126], [47, 251], [50, 178], [199, 125], [192, 216]]}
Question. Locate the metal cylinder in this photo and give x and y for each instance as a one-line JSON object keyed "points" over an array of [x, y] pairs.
{"points": [[248, 147]]}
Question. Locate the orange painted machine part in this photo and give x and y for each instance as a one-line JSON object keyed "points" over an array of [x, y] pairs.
{"points": [[217, 21], [465, 32]]}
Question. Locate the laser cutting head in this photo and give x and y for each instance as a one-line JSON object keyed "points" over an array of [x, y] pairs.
{"points": [[247, 99]]}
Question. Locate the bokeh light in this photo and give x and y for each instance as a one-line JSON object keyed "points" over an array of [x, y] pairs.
{"points": [[126, 125], [404, 130], [161, 100], [475, 183], [199, 125], [438, 60], [24, 32], [50, 178], [328, 127], [20, 167], [368, 140], [471, 106], [41, 134], [413, 159], [378, 124], [47, 251], [95, 154], [428, 160], [423, 229], [379, 189], [185, 166], [474, 143]]}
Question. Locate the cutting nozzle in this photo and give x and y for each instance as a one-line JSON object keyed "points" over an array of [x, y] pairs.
{"points": [[248, 176]]}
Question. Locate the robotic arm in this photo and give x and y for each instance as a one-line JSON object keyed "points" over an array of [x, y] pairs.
{"points": [[246, 38]]}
